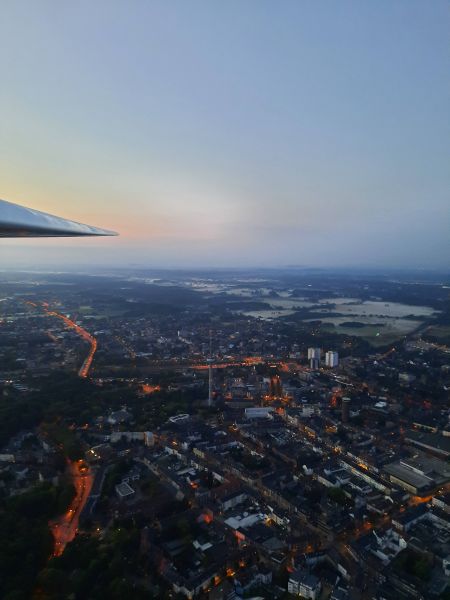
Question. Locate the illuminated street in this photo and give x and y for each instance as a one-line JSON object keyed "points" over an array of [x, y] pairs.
{"points": [[64, 528], [84, 370], [85, 367]]}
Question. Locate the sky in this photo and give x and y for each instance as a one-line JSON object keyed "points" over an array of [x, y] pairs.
{"points": [[228, 134]]}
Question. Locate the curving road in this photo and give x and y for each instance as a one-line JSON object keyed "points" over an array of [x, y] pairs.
{"points": [[84, 370], [85, 367], [65, 527]]}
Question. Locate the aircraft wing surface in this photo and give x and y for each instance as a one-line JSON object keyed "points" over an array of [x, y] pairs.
{"points": [[18, 221]]}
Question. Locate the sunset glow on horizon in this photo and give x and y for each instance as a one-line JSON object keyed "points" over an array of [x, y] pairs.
{"points": [[237, 134]]}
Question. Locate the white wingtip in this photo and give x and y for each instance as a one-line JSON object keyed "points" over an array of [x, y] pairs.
{"points": [[18, 221]]}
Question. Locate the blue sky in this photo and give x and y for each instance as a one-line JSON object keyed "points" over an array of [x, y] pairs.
{"points": [[229, 133]]}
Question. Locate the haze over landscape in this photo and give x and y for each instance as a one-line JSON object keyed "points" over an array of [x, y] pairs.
{"points": [[229, 134], [246, 393]]}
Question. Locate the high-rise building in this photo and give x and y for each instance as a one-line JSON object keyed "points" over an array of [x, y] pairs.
{"points": [[314, 357], [331, 359]]}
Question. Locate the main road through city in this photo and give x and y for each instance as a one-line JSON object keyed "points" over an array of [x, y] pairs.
{"points": [[84, 369], [64, 527]]}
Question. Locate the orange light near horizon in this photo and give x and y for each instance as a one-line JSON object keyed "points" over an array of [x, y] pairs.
{"points": [[253, 360], [148, 389]]}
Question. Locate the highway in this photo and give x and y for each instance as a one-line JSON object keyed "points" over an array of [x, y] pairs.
{"points": [[85, 367], [84, 370]]}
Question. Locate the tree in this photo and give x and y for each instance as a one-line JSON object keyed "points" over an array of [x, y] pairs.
{"points": [[337, 495]]}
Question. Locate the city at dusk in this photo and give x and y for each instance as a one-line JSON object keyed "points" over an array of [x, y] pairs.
{"points": [[225, 300]]}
